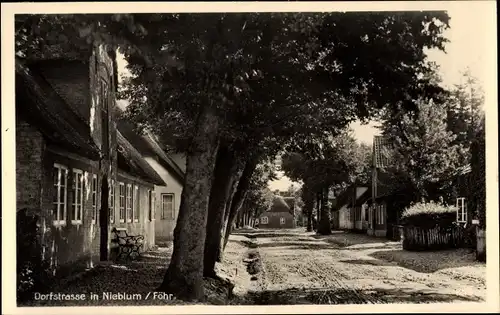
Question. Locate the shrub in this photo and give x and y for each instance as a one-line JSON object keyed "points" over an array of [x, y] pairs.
{"points": [[429, 215]]}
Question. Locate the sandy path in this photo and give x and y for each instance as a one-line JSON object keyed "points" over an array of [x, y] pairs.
{"points": [[300, 267]]}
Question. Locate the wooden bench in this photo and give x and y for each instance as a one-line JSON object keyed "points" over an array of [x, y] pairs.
{"points": [[128, 246]]}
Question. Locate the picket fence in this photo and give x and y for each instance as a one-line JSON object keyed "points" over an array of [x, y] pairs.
{"points": [[418, 239]]}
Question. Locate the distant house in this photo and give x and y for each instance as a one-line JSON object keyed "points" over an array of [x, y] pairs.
{"points": [[69, 154], [280, 215], [167, 196]]}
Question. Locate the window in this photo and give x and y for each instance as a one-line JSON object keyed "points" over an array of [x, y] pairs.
{"points": [[136, 208], [94, 198], [380, 214], [60, 194], [264, 220], [167, 207], [150, 205], [77, 204], [461, 210], [128, 202], [122, 203], [111, 202], [282, 221]]}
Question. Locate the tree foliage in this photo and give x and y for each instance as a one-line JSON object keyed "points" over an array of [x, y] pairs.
{"points": [[422, 150]]}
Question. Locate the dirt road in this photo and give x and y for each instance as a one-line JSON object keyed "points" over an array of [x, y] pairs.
{"points": [[302, 268]]}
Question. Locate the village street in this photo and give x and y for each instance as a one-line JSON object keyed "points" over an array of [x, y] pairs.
{"points": [[299, 267], [295, 267]]}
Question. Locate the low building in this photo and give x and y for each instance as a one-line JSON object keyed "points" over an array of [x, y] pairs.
{"points": [[280, 215], [167, 196]]}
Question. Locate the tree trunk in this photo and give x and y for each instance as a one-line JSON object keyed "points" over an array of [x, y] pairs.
{"points": [[224, 167], [308, 207], [239, 196], [184, 276], [324, 227], [318, 210]]}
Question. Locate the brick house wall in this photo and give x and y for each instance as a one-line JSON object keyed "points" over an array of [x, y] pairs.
{"points": [[30, 146]]}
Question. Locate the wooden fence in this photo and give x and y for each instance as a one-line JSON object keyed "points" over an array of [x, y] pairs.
{"points": [[418, 239]]}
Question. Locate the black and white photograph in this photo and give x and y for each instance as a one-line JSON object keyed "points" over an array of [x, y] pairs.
{"points": [[321, 154]]}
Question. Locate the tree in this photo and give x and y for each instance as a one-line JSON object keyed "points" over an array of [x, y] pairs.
{"points": [[260, 78], [321, 164], [422, 150], [464, 111]]}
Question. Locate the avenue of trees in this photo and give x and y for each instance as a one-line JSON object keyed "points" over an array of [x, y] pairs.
{"points": [[232, 91]]}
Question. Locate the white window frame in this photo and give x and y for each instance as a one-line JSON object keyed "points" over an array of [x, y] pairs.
{"points": [[136, 207], [264, 220], [61, 218], [122, 205], [163, 210], [93, 195], [74, 205], [111, 201], [282, 221], [461, 210], [129, 203]]}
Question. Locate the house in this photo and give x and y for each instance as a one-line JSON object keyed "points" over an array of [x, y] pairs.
{"points": [[344, 213], [388, 200], [359, 208], [461, 195], [131, 195], [69, 156], [280, 215], [166, 207]]}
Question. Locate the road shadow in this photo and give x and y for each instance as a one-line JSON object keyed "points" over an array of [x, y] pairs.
{"points": [[429, 262], [369, 262], [346, 296], [298, 245]]}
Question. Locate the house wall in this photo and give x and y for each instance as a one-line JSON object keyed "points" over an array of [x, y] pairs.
{"points": [[379, 210], [164, 227], [30, 146], [69, 244], [145, 224], [274, 220], [346, 218]]}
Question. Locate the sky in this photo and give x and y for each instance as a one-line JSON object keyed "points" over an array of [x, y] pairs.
{"points": [[468, 48]]}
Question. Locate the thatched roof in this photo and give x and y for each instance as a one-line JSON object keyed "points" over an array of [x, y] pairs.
{"points": [[40, 105], [147, 146], [280, 205], [132, 162]]}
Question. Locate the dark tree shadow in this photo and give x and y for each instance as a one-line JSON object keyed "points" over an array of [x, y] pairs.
{"points": [[346, 296], [370, 262], [430, 261], [299, 245]]}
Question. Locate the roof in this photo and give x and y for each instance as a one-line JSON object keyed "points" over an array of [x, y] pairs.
{"points": [[290, 201], [146, 145], [363, 198], [280, 205], [40, 105], [380, 158], [131, 161]]}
